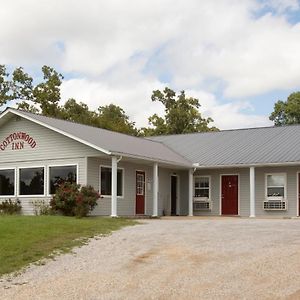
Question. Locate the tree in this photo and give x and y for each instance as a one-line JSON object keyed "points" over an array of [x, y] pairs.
{"points": [[78, 112], [287, 112], [181, 115], [113, 117], [45, 98]]}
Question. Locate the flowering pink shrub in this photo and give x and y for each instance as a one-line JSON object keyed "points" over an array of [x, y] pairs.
{"points": [[74, 200]]}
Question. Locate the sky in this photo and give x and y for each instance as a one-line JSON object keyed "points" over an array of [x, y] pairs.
{"points": [[238, 57]]}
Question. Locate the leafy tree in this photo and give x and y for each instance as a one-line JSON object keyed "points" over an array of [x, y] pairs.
{"points": [[47, 93], [113, 117], [181, 115], [78, 112], [45, 97], [287, 112], [5, 86]]}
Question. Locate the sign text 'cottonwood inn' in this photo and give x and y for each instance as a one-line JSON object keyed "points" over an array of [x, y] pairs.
{"points": [[16, 140]]}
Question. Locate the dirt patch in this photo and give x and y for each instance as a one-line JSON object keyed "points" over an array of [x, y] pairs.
{"points": [[294, 296], [230, 258]]}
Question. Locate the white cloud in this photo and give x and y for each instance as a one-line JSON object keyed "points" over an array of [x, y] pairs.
{"points": [[229, 115], [135, 101], [122, 50], [138, 105]]}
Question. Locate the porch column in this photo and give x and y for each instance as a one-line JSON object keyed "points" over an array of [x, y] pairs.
{"points": [[114, 168], [252, 192], [191, 179], [155, 190]]}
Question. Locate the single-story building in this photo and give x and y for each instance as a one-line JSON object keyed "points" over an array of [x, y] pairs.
{"points": [[246, 172]]}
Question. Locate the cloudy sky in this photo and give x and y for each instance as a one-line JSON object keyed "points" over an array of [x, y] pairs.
{"points": [[236, 56]]}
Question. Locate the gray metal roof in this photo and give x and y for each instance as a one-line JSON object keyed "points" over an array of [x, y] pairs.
{"points": [[112, 142], [260, 146], [254, 146]]}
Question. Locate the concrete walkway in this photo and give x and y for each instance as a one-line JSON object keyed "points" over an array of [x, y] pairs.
{"points": [[186, 258]]}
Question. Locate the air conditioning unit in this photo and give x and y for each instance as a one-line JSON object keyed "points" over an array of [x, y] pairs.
{"points": [[202, 205], [275, 205]]}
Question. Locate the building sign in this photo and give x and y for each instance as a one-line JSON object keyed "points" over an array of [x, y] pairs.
{"points": [[17, 140]]}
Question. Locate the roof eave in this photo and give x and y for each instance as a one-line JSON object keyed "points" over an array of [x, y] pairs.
{"points": [[274, 164], [179, 164]]}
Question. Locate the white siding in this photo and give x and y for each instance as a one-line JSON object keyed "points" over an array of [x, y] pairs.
{"points": [[292, 197], [164, 206], [26, 202], [125, 204], [244, 204], [50, 144], [52, 149], [244, 190], [184, 192]]}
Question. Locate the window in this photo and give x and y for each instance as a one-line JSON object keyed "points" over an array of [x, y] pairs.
{"points": [[276, 185], [140, 184], [31, 181], [202, 187], [7, 182], [60, 174], [105, 180]]}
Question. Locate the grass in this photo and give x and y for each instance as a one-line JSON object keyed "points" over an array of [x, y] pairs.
{"points": [[27, 239]]}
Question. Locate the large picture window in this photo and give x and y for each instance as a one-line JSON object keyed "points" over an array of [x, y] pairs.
{"points": [[7, 182], [276, 185], [31, 181], [60, 174], [202, 187], [105, 181]]}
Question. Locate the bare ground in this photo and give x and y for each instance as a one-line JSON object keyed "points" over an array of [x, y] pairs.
{"points": [[174, 258]]}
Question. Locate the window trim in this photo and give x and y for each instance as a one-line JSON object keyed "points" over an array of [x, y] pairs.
{"points": [[45, 182], [209, 188], [123, 182], [278, 198], [59, 165], [15, 185]]}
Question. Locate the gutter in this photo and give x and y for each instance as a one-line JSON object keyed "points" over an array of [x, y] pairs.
{"points": [[187, 165], [279, 164]]}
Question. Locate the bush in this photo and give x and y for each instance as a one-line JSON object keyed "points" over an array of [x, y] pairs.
{"points": [[41, 208], [10, 207], [74, 200]]}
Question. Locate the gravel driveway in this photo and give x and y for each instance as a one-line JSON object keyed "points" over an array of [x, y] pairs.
{"points": [[174, 258]]}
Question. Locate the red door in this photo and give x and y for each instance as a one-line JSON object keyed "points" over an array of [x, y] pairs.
{"points": [[230, 194], [140, 193]]}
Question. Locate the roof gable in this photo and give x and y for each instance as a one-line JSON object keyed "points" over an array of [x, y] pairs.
{"points": [[108, 142]]}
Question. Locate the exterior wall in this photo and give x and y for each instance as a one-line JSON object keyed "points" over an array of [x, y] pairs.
{"points": [[50, 144], [26, 201], [244, 190], [291, 192], [52, 149], [260, 188], [125, 204], [55, 149], [184, 193], [165, 191]]}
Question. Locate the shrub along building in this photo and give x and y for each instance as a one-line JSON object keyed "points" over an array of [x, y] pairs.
{"points": [[247, 172]]}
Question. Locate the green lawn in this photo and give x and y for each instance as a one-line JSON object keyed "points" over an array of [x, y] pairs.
{"points": [[25, 239]]}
